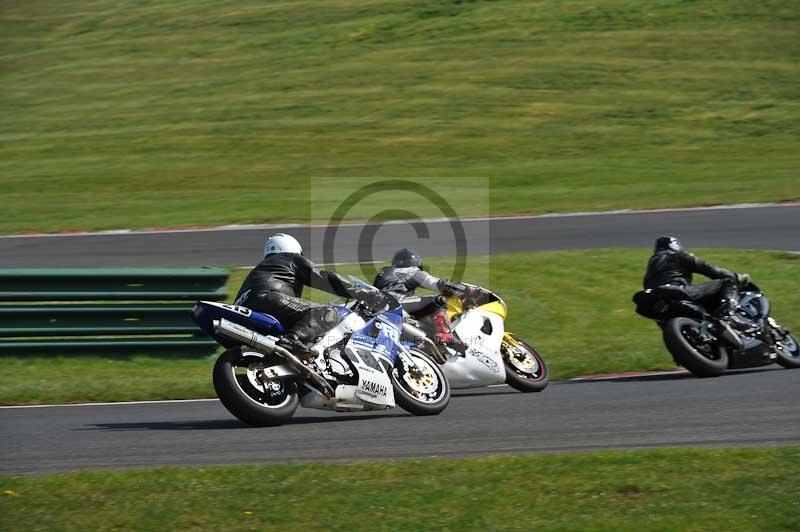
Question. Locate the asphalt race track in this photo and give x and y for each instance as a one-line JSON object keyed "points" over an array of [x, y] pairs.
{"points": [[743, 408], [756, 227], [756, 407]]}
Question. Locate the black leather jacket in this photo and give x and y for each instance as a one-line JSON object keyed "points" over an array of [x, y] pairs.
{"points": [[289, 273], [677, 267]]}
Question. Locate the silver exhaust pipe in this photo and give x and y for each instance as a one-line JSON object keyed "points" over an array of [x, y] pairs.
{"points": [[730, 336], [268, 344], [248, 337]]}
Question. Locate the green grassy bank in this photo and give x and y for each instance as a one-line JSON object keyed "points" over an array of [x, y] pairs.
{"points": [[137, 113]]}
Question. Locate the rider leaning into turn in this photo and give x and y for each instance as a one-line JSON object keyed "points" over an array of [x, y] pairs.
{"points": [[401, 280], [275, 287], [672, 266]]}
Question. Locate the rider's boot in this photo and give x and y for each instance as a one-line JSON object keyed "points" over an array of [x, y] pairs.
{"points": [[729, 299], [295, 345], [727, 308], [442, 334], [313, 323]]}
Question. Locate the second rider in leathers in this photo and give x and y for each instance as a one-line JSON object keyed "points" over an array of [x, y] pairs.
{"points": [[401, 280]]}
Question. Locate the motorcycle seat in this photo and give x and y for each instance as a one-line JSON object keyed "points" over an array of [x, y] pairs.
{"points": [[670, 292], [664, 301]]}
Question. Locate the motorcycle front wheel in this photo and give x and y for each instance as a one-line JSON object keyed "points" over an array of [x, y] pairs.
{"points": [[682, 338], [248, 394], [788, 351], [422, 390], [526, 370]]}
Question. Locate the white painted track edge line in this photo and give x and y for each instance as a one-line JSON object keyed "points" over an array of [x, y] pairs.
{"points": [[246, 227], [112, 403]]}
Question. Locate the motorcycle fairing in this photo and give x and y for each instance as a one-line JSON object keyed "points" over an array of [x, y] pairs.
{"points": [[483, 364], [455, 307], [373, 351], [381, 336], [754, 305]]}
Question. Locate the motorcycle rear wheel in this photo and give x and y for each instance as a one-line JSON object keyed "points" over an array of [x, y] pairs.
{"points": [[702, 360], [424, 391], [527, 373], [261, 403]]}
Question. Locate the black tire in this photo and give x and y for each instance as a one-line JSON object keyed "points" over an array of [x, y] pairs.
{"points": [[244, 400], [687, 355], [789, 356], [409, 394], [524, 378]]}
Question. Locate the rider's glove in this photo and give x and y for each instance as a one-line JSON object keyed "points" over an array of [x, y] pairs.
{"points": [[469, 295], [374, 299], [450, 288], [742, 279], [472, 295]]}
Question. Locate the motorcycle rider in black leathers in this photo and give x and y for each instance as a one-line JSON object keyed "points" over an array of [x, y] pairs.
{"points": [[671, 266], [404, 276], [275, 287]]}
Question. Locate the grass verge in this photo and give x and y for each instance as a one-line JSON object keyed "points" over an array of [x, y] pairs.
{"points": [[574, 306], [741, 489], [129, 113]]}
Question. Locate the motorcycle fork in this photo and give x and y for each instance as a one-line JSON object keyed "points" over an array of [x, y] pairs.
{"points": [[774, 333], [509, 340]]}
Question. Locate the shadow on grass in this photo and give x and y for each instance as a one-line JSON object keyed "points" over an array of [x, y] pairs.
{"points": [[226, 424]]}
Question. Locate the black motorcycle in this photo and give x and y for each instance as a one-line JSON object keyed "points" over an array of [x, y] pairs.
{"points": [[707, 345]]}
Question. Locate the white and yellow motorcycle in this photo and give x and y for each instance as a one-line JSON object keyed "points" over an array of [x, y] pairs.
{"points": [[493, 355]]}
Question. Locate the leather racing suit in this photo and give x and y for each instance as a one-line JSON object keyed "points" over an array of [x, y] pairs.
{"points": [[275, 287], [402, 284], [675, 269]]}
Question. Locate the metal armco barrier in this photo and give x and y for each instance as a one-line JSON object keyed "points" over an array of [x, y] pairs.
{"points": [[52, 311]]}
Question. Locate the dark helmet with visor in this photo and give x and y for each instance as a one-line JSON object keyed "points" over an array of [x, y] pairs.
{"points": [[667, 243], [406, 258]]}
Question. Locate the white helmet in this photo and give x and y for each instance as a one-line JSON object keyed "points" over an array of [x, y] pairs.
{"points": [[282, 243]]}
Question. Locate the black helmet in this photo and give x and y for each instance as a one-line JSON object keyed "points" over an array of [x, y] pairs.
{"points": [[667, 243], [406, 258]]}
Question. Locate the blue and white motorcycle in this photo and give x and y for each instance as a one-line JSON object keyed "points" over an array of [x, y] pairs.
{"points": [[361, 364]]}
